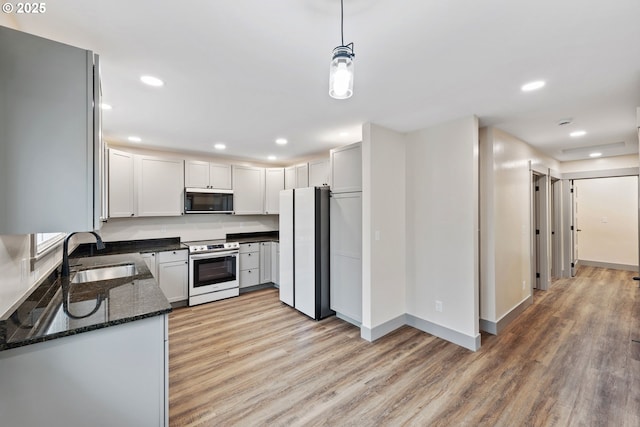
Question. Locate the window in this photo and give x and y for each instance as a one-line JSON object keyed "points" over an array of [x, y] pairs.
{"points": [[42, 243]]}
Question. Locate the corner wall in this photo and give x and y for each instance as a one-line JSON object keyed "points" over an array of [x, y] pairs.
{"points": [[383, 232], [505, 235], [442, 231]]}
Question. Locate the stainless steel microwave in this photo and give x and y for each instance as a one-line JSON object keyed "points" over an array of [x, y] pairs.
{"points": [[208, 200]]}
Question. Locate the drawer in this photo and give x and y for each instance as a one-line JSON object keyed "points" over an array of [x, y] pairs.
{"points": [[249, 247], [249, 277], [250, 260], [169, 256]]}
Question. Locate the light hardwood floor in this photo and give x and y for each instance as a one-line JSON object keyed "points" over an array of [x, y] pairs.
{"points": [[568, 360]]}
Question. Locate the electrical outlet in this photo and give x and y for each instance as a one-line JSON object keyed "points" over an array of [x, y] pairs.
{"points": [[439, 306], [524, 284]]}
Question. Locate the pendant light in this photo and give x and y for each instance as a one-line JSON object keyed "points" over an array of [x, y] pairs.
{"points": [[341, 69]]}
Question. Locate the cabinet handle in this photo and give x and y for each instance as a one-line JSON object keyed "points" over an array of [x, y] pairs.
{"points": [[132, 214], [186, 262], [174, 252], [153, 254]]}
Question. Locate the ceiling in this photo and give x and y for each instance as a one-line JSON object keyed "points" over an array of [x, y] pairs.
{"points": [[246, 72]]}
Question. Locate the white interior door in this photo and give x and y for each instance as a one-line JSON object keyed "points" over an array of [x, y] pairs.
{"points": [[574, 229]]}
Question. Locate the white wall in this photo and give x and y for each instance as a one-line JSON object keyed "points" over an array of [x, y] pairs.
{"points": [[506, 221], [442, 225], [603, 163], [7, 20], [607, 215], [383, 237]]}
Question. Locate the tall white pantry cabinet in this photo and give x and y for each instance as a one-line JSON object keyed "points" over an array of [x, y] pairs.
{"points": [[346, 232]]}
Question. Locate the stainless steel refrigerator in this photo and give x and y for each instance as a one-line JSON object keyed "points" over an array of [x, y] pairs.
{"points": [[304, 250]]}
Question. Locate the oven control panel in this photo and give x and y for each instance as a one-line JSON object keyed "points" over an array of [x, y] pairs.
{"points": [[215, 247]]}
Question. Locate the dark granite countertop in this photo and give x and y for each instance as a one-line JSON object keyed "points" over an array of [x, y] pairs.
{"points": [[261, 236], [129, 246], [58, 308]]}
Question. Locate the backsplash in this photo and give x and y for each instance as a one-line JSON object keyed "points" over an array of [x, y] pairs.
{"points": [[186, 227]]}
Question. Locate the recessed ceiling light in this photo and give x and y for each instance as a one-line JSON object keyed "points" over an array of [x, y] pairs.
{"points": [[577, 133], [105, 106], [595, 154], [151, 81], [533, 86], [219, 146], [281, 141], [134, 139], [271, 157], [344, 133]]}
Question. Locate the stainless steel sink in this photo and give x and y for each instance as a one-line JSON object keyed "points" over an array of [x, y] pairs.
{"points": [[105, 273]]}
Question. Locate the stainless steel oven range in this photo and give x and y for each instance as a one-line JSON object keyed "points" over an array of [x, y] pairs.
{"points": [[213, 270]]}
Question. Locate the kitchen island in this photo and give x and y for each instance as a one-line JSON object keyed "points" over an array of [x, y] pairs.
{"points": [[92, 353]]}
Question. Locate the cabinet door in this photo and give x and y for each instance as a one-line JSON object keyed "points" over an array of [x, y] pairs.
{"points": [[346, 255], [302, 175], [47, 161], [249, 278], [319, 173], [196, 174], [289, 178], [150, 260], [275, 262], [172, 278], [220, 176], [248, 190], [160, 186], [346, 169], [265, 262], [274, 182], [121, 189]]}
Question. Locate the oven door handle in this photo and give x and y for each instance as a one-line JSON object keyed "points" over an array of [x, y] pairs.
{"points": [[213, 255]]}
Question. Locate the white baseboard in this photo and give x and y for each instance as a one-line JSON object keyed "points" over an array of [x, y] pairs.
{"points": [[495, 328], [348, 319], [455, 337], [463, 340], [611, 265], [383, 329]]}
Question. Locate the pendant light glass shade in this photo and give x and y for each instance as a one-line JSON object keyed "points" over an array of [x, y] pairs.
{"points": [[341, 73]]}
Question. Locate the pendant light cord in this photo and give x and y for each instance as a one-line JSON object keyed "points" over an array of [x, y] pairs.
{"points": [[342, 21]]}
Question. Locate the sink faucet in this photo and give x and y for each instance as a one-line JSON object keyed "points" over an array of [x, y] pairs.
{"points": [[65, 250]]}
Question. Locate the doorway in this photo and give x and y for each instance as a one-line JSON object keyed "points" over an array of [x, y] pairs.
{"points": [[605, 218], [541, 231]]}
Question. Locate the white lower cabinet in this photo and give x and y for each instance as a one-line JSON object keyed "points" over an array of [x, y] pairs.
{"points": [[115, 376], [275, 262], [172, 276], [171, 271], [249, 264], [259, 263], [265, 262]]}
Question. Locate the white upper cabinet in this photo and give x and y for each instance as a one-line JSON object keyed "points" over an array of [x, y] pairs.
{"points": [[160, 186], [121, 184], [319, 173], [289, 177], [302, 175], [274, 182], [248, 190], [49, 136], [200, 174], [346, 168]]}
